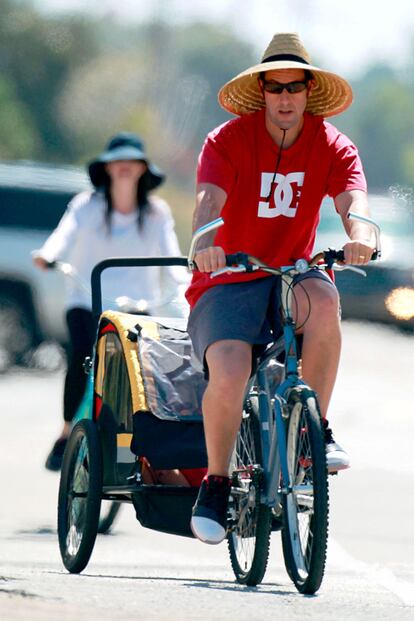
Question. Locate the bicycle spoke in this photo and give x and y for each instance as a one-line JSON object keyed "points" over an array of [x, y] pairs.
{"points": [[250, 531], [77, 497], [80, 496]]}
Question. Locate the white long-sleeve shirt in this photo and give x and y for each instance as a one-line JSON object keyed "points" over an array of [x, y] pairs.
{"points": [[83, 239]]}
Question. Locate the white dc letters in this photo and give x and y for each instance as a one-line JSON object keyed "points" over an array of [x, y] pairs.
{"points": [[285, 198]]}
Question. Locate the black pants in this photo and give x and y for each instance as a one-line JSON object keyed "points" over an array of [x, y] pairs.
{"points": [[81, 337]]}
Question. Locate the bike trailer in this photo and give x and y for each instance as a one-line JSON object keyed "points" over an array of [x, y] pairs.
{"points": [[147, 404]]}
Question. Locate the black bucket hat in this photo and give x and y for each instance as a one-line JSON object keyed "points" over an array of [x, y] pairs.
{"points": [[124, 146]]}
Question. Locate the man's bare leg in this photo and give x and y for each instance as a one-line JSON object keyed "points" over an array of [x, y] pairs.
{"points": [[317, 306], [321, 352], [229, 364]]}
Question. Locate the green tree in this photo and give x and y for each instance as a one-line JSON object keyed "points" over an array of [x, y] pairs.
{"points": [[215, 55], [67, 83], [37, 55], [382, 125], [18, 135], [162, 84]]}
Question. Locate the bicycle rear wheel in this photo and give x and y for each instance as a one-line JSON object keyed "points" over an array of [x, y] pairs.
{"points": [[80, 494], [249, 536], [306, 505]]}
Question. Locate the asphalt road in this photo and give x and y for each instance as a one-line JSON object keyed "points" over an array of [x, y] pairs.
{"points": [[139, 574]]}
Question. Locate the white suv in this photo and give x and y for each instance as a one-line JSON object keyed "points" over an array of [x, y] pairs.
{"points": [[33, 198]]}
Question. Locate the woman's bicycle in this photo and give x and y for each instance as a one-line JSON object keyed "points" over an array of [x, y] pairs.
{"points": [[141, 374]]}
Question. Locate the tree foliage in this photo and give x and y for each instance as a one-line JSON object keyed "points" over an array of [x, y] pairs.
{"points": [[37, 55], [67, 83], [381, 123], [18, 132]]}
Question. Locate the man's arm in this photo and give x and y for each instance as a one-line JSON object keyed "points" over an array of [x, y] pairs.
{"points": [[210, 200], [359, 250]]}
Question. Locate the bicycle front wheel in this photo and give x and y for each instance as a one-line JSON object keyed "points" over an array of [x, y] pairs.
{"points": [[250, 521], [80, 493], [306, 499]]}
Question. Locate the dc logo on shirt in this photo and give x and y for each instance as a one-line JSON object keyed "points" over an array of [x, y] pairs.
{"points": [[286, 194]]}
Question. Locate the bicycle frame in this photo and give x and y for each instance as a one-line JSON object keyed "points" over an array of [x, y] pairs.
{"points": [[272, 412], [271, 406]]}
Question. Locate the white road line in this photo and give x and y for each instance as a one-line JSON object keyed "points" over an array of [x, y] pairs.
{"points": [[376, 574]]}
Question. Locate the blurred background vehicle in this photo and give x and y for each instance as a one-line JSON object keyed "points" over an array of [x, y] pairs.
{"points": [[33, 198], [386, 295]]}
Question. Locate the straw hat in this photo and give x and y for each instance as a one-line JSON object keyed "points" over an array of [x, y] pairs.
{"points": [[330, 95]]}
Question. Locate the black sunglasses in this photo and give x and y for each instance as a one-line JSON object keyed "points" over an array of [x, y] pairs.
{"points": [[278, 87]]}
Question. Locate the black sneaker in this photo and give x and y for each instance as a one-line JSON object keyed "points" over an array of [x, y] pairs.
{"points": [[209, 519], [55, 457], [336, 458]]}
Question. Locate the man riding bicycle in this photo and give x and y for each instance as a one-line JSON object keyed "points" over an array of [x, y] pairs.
{"points": [[266, 173]]}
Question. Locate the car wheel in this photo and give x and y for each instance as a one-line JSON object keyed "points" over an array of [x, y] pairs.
{"points": [[16, 329]]}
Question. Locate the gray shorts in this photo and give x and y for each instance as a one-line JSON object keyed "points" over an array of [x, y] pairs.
{"points": [[246, 311]]}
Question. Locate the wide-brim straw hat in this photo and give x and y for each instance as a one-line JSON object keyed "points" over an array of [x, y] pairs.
{"points": [[124, 146], [330, 95]]}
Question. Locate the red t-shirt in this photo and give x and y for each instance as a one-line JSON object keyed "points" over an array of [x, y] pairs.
{"points": [[240, 157]]}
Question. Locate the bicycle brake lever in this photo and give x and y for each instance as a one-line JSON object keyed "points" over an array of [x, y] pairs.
{"points": [[340, 268], [226, 270]]}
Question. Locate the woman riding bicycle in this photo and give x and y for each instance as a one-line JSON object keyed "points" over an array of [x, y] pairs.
{"points": [[119, 217]]}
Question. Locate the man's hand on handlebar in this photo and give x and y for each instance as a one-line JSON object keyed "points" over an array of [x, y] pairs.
{"points": [[358, 252], [210, 259]]}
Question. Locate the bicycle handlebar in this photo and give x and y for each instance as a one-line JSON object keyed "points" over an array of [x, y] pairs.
{"points": [[210, 226], [241, 261], [332, 256], [236, 262]]}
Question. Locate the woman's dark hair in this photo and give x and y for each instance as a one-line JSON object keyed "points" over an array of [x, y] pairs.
{"points": [[143, 205]]}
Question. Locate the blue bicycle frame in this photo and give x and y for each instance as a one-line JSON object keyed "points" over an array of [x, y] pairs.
{"points": [[272, 401]]}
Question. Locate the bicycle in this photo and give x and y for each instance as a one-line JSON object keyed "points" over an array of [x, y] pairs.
{"points": [[278, 469]]}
